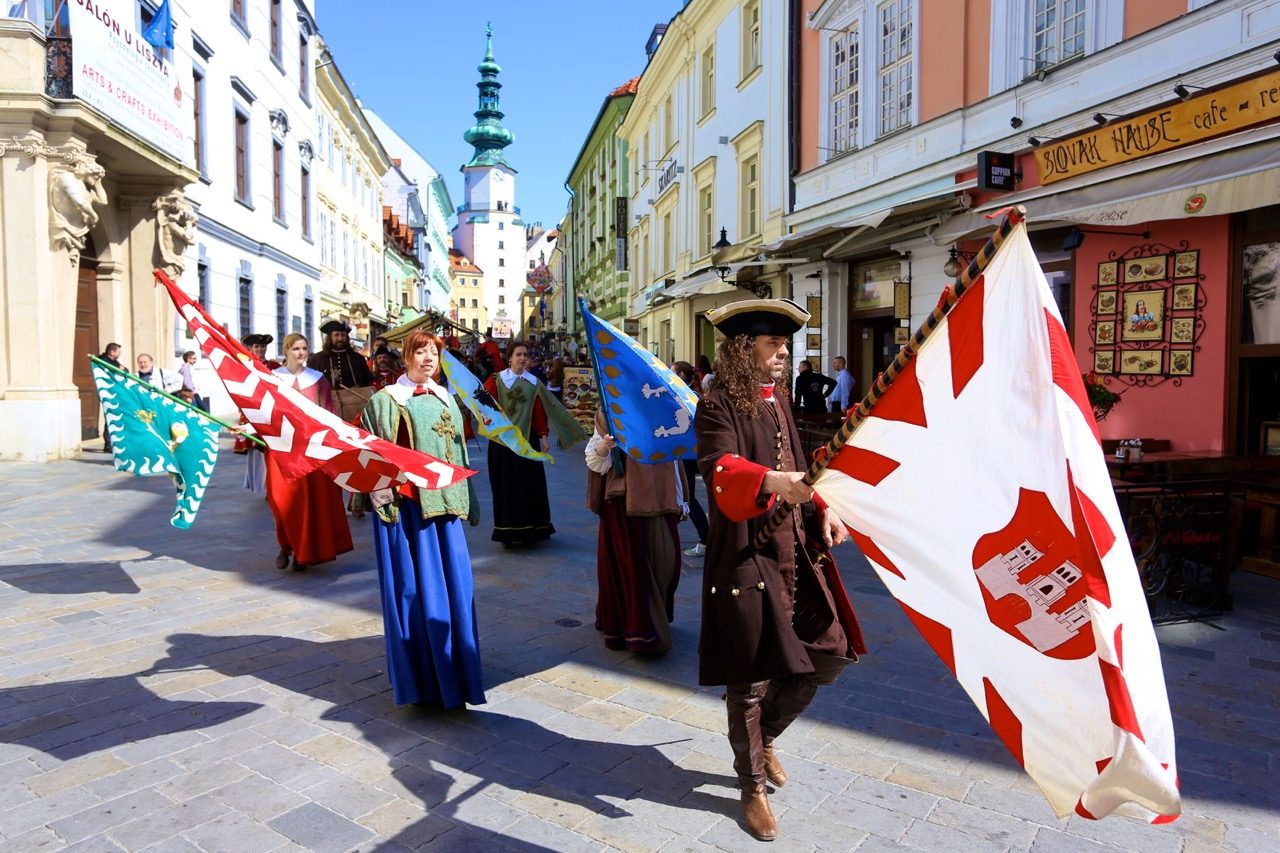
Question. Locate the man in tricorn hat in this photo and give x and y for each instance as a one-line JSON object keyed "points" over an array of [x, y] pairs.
{"points": [[347, 370], [257, 345], [776, 624], [255, 472]]}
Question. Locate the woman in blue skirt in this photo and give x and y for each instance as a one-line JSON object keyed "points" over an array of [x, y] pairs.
{"points": [[424, 567]]}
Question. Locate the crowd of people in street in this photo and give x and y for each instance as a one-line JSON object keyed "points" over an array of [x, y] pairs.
{"points": [[775, 624]]}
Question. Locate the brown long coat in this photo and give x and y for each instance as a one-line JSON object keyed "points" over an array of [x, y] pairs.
{"points": [[749, 636]]}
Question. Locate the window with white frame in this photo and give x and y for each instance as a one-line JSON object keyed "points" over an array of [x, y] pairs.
{"points": [[749, 196], [707, 95], [846, 55], [750, 37], [895, 63], [668, 123], [668, 238], [706, 219], [1057, 31]]}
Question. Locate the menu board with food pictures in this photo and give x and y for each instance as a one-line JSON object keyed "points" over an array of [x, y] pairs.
{"points": [[580, 395]]}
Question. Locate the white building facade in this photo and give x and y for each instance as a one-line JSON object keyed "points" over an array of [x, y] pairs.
{"points": [[255, 261]]}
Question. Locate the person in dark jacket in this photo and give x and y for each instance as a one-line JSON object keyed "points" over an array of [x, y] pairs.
{"points": [[776, 623], [812, 389]]}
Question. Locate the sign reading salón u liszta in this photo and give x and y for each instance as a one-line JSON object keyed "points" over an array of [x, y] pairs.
{"points": [[1211, 114], [118, 73]]}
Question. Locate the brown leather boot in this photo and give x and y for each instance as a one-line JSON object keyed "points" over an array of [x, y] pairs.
{"points": [[773, 767], [757, 817]]}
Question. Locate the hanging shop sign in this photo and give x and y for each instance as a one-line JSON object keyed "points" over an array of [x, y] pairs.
{"points": [[995, 171], [1211, 114], [620, 233], [118, 73]]}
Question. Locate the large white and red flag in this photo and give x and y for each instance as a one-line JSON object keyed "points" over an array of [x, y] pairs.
{"points": [[306, 437], [978, 490]]}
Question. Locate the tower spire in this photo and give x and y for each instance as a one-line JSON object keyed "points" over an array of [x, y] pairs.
{"points": [[487, 135]]}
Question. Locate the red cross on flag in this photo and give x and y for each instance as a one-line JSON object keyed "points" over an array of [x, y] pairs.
{"points": [[978, 490], [306, 437]]}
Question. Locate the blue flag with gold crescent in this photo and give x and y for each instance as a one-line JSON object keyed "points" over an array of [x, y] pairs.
{"points": [[649, 409]]}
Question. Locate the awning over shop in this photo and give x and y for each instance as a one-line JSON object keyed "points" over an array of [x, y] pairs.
{"points": [[429, 320], [1240, 178], [856, 224]]}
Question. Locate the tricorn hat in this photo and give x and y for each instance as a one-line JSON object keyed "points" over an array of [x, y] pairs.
{"points": [[335, 326], [384, 351], [759, 317], [257, 340]]}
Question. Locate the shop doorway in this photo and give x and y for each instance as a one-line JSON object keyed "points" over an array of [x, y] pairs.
{"points": [[1253, 389], [86, 341], [871, 349]]}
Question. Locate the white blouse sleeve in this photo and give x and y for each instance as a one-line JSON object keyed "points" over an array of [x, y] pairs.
{"points": [[596, 462]]}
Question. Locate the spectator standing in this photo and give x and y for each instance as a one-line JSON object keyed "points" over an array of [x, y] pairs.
{"points": [[189, 392], [697, 514], [842, 397], [111, 355], [812, 389], [168, 381]]}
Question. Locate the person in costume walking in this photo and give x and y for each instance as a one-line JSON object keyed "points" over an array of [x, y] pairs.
{"points": [[311, 525], [346, 370], [775, 624], [638, 549], [521, 510], [255, 469], [424, 567]]}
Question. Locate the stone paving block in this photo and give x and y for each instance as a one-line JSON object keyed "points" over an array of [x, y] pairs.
{"points": [[861, 762], [925, 835], [142, 751], [36, 841], [859, 815], [234, 832], [96, 844], [167, 822], [817, 831], [177, 844], [549, 803], [316, 828], [929, 780], [546, 835], [36, 813], [348, 797], [892, 796], [993, 826], [1049, 840], [406, 823], [78, 771], [277, 763], [135, 778], [258, 797], [1019, 804], [108, 814]]}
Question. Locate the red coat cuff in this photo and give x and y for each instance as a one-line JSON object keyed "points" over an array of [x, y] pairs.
{"points": [[735, 487], [819, 502]]}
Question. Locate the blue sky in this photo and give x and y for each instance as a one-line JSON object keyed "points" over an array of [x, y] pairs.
{"points": [[414, 62]]}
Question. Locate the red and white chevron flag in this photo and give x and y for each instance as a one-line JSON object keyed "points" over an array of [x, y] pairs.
{"points": [[304, 436], [978, 490]]}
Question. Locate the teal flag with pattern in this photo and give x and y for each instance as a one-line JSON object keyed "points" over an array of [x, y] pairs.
{"points": [[151, 433]]}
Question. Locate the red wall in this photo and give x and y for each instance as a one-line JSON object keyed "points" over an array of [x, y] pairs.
{"points": [[1190, 415]]}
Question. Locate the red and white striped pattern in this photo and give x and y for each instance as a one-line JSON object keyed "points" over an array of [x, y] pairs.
{"points": [[979, 491], [305, 436]]}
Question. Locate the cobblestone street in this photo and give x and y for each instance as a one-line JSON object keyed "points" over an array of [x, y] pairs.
{"points": [[169, 690]]}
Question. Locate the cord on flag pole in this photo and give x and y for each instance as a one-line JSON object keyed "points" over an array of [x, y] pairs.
{"points": [[1013, 216]]}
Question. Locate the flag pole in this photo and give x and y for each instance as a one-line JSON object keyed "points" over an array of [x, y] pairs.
{"points": [[860, 412], [181, 402]]}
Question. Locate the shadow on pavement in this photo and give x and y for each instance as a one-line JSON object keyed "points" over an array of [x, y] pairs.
{"points": [[74, 718], [480, 751], [70, 578]]}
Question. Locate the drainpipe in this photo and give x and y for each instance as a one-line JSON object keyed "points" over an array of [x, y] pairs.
{"points": [[571, 301], [793, 95]]}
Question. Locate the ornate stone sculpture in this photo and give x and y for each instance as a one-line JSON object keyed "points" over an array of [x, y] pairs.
{"points": [[175, 230], [75, 186]]}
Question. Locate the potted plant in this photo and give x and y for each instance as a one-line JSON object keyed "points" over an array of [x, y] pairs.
{"points": [[1102, 398]]}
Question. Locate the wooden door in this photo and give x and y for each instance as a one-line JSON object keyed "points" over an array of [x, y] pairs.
{"points": [[871, 349], [86, 341]]}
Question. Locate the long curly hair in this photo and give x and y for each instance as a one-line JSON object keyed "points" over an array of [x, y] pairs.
{"points": [[738, 373]]}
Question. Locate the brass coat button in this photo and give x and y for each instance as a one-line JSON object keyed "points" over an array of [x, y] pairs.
{"points": [[719, 489], [760, 585], [719, 468], [734, 592], [713, 590]]}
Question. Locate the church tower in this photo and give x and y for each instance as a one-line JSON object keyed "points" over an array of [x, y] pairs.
{"points": [[489, 229]]}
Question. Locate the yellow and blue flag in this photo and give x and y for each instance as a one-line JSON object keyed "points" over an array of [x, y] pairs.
{"points": [[491, 421], [152, 433], [649, 409]]}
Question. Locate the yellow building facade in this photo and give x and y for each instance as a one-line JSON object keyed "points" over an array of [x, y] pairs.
{"points": [[708, 152]]}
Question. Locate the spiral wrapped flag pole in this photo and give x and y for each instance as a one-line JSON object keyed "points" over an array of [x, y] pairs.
{"points": [[860, 412]]}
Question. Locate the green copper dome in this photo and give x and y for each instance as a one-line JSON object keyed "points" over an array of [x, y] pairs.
{"points": [[487, 135]]}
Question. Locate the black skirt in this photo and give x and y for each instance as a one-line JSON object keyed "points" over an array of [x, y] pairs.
{"points": [[521, 511]]}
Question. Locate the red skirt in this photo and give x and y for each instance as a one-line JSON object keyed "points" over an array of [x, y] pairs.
{"points": [[311, 522], [638, 569]]}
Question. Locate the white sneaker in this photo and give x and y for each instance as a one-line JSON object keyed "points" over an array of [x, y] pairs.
{"points": [[696, 551]]}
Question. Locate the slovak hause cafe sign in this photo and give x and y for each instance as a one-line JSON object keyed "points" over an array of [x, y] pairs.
{"points": [[127, 80], [1215, 113]]}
